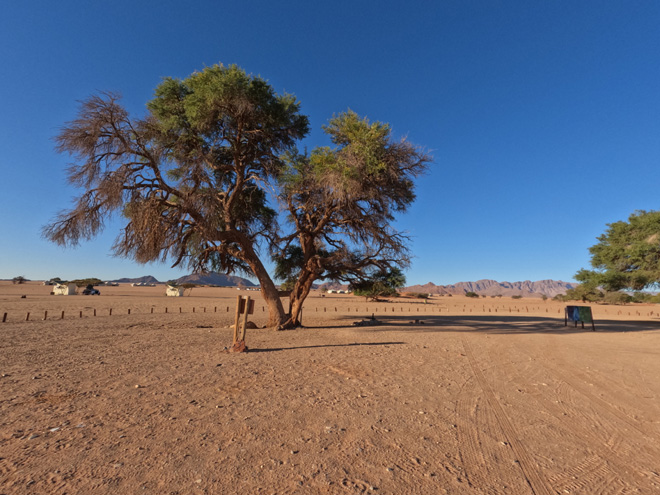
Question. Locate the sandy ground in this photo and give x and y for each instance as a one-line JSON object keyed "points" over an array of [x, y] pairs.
{"points": [[490, 396]]}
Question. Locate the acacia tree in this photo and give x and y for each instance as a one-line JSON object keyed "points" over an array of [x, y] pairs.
{"points": [[341, 202], [627, 255], [189, 177], [379, 284]]}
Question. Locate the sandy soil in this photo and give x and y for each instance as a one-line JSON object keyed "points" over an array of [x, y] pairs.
{"points": [[490, 396]]}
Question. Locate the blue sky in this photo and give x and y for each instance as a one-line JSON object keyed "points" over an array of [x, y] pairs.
{"points": [[543, 118]]}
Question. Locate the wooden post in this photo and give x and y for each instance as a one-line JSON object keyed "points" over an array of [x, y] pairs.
{"points": [[62, 317], [94, 311], [152, 310], [81, 314], [4, 317], [129, 311], [110, 311], [45, 315], [237, 319], [165, 309], [241, 333], [27, 317]]}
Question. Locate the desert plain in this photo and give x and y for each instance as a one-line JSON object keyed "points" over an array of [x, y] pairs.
{"points": [[456, 395]]}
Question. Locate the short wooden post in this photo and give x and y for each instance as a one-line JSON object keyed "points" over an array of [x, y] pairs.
{"points": [[45, 315], [27, 317], [237, 319], [179, 309], [193, 309], [81, 314], [110, 311], [129, 311], [4, 318], [166, 309], [62, 317], [241, 333], [94, 311], [152, 310]]}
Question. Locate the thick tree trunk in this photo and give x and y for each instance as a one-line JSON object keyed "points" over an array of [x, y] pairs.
{"points": [[298, 295], [276, 314]]}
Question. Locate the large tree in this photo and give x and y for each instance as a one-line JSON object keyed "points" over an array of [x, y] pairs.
{"points": [[191, 180], [342, 203], [627, 255], [188, 177]]}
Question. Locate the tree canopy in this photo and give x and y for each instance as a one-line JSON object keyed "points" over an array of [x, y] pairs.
{"points": [[379, 284], [627, 255], [342, 201]]}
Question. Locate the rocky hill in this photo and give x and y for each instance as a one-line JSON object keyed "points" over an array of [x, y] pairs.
{"points": [[548, 288], [147, 279], [213, 278]]}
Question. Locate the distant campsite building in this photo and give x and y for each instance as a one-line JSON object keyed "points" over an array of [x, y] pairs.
{"points": [[65, 290], [174, 291]]}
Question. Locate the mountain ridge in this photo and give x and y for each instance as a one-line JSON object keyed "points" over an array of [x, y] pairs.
{"points": [[487, 287]]}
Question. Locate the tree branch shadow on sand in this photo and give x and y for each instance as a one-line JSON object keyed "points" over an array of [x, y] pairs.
{"points": [[354, 344], [496, 325]]}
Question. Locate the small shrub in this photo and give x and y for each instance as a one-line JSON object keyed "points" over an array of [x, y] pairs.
{"points": [[471, 294]]}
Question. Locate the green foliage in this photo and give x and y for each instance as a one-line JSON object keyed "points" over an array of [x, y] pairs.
{"points": [[516, 297], [379, 284], [471, 294], [544, 297], [84, 282], [617, 298], [586, 292], [418, 295], [627, 255]]}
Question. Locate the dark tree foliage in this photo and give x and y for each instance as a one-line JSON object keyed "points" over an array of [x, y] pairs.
{"points": [[189, 177], [342, 202], [379, 284], [627, 255]]}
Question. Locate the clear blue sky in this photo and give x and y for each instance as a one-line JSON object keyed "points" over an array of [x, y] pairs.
{"points": [[543, 118]]}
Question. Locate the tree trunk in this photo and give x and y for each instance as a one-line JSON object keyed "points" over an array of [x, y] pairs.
{"points": [[276, 314], [298, 295]]}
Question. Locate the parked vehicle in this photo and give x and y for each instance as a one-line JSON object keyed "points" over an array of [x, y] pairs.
{"points": [[91, 291]]}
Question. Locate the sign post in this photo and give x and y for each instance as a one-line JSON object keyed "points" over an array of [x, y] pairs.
{"points": [[244, 307], [580, 314]]}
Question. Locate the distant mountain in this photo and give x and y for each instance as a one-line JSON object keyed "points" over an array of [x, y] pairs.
{"points": [[213, 278], [148, 279], [549, 288], [332, 286]]}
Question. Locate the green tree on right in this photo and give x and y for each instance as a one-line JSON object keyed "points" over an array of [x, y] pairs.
{"points": [[627, 255]]}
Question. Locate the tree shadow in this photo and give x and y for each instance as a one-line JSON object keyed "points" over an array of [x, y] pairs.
{"points": [[496, 325], [354, 344]]}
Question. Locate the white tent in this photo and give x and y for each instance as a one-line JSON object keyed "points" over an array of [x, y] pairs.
{"points": [[174, 291], [65, 290]]}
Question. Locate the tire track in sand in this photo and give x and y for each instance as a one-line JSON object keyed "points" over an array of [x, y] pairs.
{"points": [[607, 470], [529, 468]]}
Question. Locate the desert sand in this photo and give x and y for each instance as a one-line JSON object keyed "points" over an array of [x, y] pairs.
{"points": [[489, 395]]}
